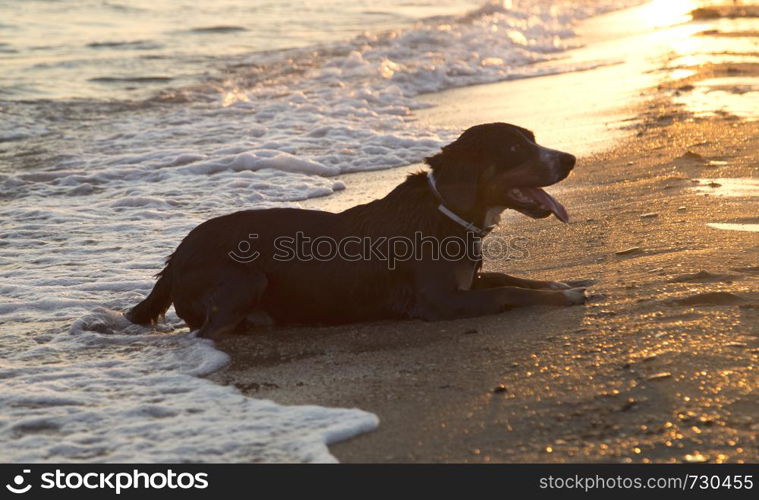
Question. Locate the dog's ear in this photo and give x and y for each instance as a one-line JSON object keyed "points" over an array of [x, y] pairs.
{"points": [[526, 133], [456, 182]]}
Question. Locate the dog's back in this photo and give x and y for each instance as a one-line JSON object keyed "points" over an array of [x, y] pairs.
{"points": [[307, 266], [298, 266]]}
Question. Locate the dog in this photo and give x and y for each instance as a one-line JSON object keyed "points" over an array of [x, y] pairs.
{"points": [[246, 263]]}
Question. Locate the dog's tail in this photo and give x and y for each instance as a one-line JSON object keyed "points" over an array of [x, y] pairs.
{"points": [[155, 304]]}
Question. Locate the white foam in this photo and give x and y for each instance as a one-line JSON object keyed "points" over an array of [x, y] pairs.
{"points": [[112, 391]]}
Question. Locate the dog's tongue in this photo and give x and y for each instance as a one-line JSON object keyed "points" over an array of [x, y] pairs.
{"points": [[548, 201]]}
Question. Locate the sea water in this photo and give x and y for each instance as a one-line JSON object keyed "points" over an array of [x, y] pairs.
{"points": [[125, 124]]}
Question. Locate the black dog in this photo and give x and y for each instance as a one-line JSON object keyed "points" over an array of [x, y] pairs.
{"points": [[390, 258]]}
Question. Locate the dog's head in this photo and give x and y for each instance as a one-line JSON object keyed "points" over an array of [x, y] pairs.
{"points": [[500, 165]]}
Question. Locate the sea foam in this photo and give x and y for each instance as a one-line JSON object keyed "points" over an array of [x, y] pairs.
{"points": [[105, 190]]}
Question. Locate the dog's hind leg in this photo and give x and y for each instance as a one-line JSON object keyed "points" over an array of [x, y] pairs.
{"points": [[229, 302]]}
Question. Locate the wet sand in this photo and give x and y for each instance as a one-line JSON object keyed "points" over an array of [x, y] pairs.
{"points": [[660, 366]]}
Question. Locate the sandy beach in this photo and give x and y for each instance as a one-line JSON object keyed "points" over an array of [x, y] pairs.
{"points": [[136, 121], [659, 366]]}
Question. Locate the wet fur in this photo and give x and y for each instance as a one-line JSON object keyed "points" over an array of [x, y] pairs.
{"points": [[213, 292]]}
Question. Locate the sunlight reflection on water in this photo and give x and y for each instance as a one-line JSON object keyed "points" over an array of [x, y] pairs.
{"points": [[753, 227], [729, 186], [732, 96]]}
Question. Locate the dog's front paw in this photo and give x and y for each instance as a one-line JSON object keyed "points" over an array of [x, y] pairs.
{"points": [[565, 285], [579, 283], [575, 296], [558, 285]]}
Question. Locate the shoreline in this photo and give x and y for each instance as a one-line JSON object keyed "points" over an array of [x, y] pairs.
{"points": [[462, 107], [658, 367]]}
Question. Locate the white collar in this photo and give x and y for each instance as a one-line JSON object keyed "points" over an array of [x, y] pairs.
{"points": [[469, 226]]}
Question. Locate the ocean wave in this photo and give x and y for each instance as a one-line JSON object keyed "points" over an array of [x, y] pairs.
{"points": [[217, 29], [115, 392], [131, 79]]}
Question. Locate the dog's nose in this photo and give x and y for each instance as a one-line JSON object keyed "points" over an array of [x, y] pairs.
{"points": [[567, 161]]}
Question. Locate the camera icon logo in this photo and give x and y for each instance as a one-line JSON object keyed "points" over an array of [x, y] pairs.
{"points": [[18, 481]]}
